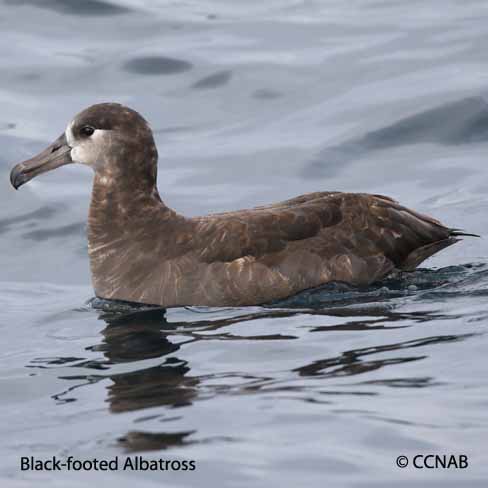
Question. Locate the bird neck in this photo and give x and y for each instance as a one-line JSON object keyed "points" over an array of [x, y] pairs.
{"points": [[122, 207], [125, 195], [125, 226]]}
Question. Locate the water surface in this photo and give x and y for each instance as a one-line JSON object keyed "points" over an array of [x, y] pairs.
{"points": [[251, 103]]}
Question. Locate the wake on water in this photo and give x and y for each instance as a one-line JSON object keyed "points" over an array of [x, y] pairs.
{"points": [[421, 284]]}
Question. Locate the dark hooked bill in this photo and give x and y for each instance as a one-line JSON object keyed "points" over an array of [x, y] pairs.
{"points": [[55, 155]]}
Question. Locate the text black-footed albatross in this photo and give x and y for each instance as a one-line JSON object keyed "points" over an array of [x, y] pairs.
{"points": [[142, 251]]}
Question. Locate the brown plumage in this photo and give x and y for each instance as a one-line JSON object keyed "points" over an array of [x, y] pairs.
{"points": [[142, 251]]}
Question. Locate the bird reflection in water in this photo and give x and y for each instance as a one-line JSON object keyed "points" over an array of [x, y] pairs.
{"points": [[132, 337]]}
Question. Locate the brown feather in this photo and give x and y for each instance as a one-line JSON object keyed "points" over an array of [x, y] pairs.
{"points": [[142, 251], [258, 255]]}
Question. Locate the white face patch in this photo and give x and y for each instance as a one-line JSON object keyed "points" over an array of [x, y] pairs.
{"points": [[69, 134], [89, 150]]}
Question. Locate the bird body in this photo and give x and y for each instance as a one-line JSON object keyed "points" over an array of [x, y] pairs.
{"points": [[142, 251]]}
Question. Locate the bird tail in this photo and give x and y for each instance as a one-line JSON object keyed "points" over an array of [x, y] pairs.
{"points": [[461, 233], [422, 253]]}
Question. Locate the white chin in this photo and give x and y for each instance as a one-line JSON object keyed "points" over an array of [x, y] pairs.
{"points": [[77, 156]]}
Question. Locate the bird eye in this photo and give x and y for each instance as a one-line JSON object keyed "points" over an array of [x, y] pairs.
{"points": [[87, 130]]}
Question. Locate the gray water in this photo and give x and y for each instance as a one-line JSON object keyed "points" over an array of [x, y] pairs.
{"points": [[251, 102]]}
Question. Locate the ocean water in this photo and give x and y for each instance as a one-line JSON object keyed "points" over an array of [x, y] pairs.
{"points": [[251, 102]]}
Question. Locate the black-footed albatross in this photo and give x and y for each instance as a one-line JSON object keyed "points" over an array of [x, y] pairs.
{"points": [[142, 251]]}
